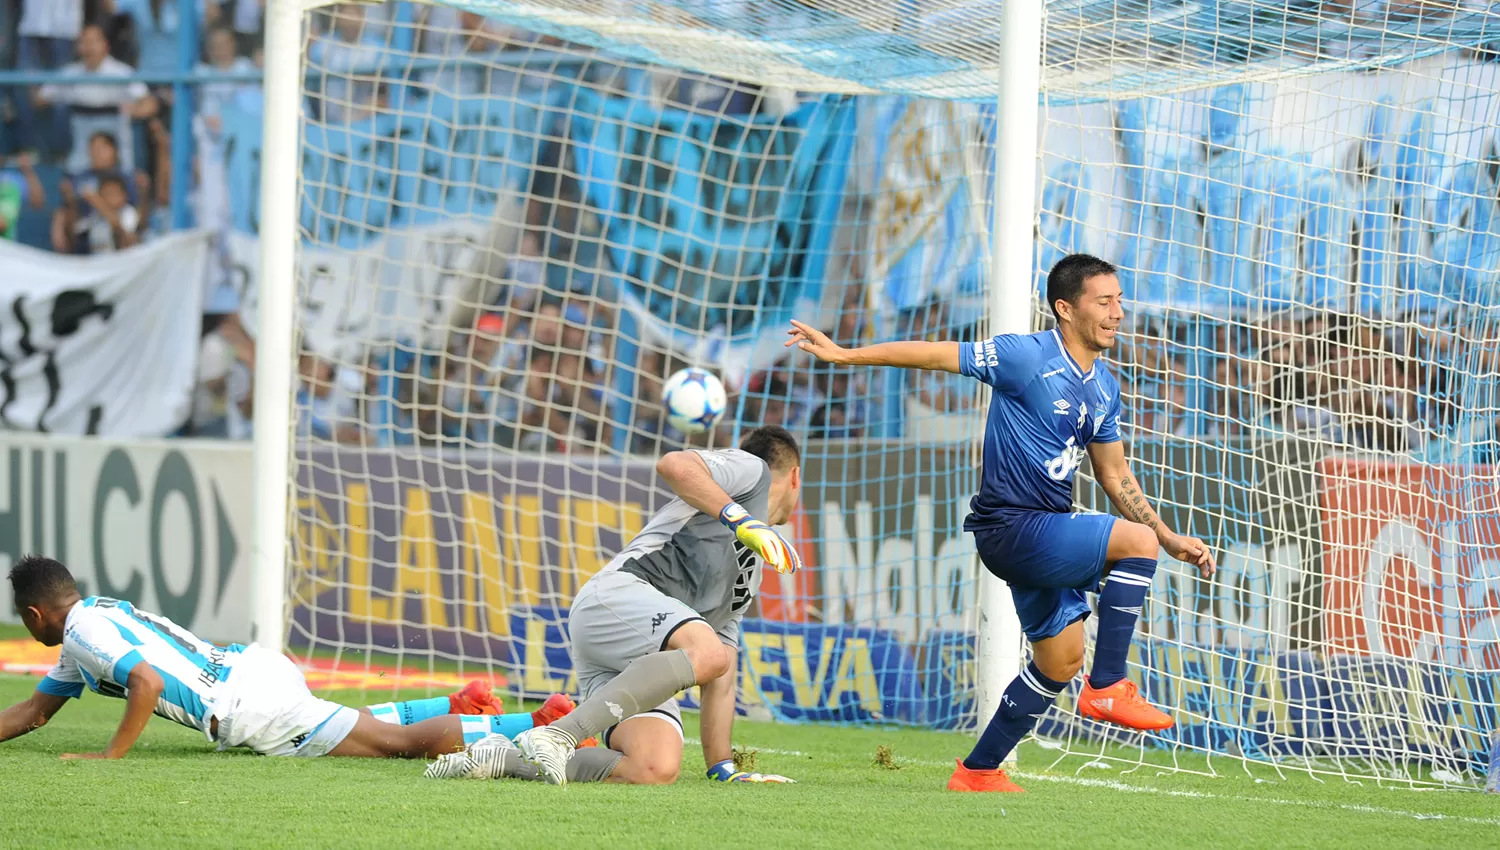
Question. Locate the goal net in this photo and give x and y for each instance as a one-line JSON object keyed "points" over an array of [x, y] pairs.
{"points": [[514, 220]]}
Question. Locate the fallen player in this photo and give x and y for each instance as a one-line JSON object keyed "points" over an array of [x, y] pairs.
{"points": [[237, 696]]}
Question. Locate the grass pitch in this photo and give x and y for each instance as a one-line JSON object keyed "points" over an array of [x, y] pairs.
{"points": [[856, 788]]}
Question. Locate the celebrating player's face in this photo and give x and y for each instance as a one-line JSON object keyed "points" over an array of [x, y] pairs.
{"points": [[1099, 311]]}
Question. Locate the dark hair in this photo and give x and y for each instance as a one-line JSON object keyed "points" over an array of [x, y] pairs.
{"points": [[113, 179], [106, 136], [1065, 281], [773, 444], [36, 580]]}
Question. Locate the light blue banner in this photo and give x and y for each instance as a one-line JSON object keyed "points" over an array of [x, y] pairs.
{"points": [[716, 225]]}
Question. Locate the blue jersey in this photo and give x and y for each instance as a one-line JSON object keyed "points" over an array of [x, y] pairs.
{"points": [[1045, 410], [105, 639]]}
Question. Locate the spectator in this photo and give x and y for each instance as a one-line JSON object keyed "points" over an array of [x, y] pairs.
{"points": [[346, 58], [95, 104], [327, 401], [47, 30], [110, 225], [248, 25], [155, 26], [464, 72], [473, 375], [104, 161], [214, 98], [222, 399], [16, 185]]}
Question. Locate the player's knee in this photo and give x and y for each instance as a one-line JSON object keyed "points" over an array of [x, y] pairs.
{"points": [[658, 772], [1132, 540], [710, 660], [1061, 667]]}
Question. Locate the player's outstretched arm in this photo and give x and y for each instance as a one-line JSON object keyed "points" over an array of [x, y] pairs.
{"points": [[687, 474], [934, 356], [144, 685], [1112, 470], [29, 714]]}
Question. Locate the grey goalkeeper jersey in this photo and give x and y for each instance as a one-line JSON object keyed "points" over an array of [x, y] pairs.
{"points": [[691, 556]]}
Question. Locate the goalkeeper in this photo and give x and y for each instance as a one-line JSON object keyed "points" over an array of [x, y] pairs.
{"points": [[662, 616], [237, 696]]}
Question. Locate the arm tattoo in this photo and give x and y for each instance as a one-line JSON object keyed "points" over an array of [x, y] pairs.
{"points": [[1134, 505]]}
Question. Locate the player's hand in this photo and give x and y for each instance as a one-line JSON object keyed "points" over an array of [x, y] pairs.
{"points": [[724, 772], [86, 756], [814, 342], [1191, 550], [769, 545]]}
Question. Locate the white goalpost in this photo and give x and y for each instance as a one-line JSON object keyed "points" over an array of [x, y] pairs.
{"points": [[487, 232]]}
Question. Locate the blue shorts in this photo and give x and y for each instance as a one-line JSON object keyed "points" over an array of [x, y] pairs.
{"points": [[1049, 560]]}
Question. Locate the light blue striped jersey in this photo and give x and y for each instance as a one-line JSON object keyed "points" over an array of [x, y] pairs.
{"points": [[105, 639]]}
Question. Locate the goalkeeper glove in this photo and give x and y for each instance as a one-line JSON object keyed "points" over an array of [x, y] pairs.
{"points": [[724, 772], [772, 547]]}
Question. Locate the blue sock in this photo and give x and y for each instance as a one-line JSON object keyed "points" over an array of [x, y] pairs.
{"points": [[1021, 706], [510, 725], [477, 726], [1120, 604], [411, 711]]}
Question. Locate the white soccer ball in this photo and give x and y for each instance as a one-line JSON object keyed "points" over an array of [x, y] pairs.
{"points": [[694, 400]]}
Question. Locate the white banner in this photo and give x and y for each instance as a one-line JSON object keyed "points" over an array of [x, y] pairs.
{"points": [[411, 285], [164, 524], [103, 345]]}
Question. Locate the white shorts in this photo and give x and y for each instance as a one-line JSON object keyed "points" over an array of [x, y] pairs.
{"points": [[271, 711]]}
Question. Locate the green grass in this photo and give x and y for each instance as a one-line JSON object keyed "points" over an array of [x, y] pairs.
{"points": [[174, 790]]}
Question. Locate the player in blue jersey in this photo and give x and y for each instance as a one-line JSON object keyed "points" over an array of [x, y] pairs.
{"points": [[1054, 403], [237, 696]]}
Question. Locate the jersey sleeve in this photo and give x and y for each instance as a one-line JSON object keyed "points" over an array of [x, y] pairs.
{"points": [[729, 633], [101, 648], [1108, 429], [738, 472], [1005, 362], [63, 680]]}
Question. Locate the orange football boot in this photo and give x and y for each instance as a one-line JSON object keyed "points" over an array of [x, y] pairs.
{"points": [[964, 779], [477, 697], [554, 709], [1122, 705]]}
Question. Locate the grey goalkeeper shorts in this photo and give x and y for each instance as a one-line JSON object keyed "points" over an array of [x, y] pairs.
{"points": [[616, 618]]}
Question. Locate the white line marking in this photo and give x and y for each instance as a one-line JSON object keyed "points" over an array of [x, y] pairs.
{"points": [[1125, 787]]}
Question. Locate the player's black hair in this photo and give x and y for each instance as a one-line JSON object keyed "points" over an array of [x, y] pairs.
{"points": [[36, 581], [107, 136], [773, 444], [1065, 281]]}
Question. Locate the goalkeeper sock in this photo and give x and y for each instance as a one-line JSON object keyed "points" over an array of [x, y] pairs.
{"points": [[411, 711], [1023, 703], [1120, 604], [590, 764], [644, 684]]}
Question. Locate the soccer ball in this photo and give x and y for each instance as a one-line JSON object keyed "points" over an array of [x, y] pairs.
{"points": [[694, 400]]}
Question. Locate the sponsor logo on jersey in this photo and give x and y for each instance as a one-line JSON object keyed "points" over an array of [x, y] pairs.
{"points": [[1062, 467], [1060, 407], [1055, 372], [658, 620]]}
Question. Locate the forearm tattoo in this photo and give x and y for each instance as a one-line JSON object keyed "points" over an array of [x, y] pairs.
{"points": [[1134, 505]]}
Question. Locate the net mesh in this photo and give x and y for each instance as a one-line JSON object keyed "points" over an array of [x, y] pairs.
{"points": [[515, 225]]}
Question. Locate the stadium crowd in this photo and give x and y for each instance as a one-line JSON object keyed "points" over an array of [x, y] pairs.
{"points": [[89, 171]]}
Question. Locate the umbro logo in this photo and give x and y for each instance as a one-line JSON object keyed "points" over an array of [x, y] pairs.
{"points": [[1060, 407], [1134, 611], [658, 620]]}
